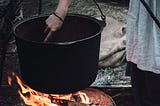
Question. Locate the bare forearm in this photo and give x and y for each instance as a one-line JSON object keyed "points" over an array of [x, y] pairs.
{"points": [[62, 8], [55, 21]]}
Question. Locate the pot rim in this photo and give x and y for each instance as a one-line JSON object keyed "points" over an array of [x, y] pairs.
{"points": [[99, 22]]}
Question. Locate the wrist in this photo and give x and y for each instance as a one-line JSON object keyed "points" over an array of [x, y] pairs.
{"points": [[60, 18], [61, 13]]}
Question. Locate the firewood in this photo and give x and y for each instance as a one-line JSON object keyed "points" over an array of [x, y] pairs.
{"points": [[62, 102]]}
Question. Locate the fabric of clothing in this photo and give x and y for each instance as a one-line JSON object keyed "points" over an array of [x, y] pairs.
{"points": [[143, 36], [145, 86], [10, 12], [10, 7]]}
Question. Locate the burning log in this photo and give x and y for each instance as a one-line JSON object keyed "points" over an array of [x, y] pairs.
{"points": [[86, 97], [61, 102]]}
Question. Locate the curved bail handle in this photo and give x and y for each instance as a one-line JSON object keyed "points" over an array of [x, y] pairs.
{"points": [[103, 17]]}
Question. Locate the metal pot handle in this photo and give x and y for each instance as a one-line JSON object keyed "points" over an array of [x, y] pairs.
{"points": [[103, 17]]}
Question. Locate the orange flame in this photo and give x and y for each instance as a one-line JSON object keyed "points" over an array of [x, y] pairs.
{"points": [[34, 98], [10, 81]]}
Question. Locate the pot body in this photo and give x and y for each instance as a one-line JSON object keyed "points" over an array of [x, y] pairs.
{"points": [[67, 64]]}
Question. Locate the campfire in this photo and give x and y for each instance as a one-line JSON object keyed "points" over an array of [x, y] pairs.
{"points": [[86, 97]]}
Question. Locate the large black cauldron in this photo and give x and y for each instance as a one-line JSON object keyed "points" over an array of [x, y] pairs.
{"points": [[67, 64]]}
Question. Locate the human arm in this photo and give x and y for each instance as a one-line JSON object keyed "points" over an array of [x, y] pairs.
{"points": [[53, 22]]}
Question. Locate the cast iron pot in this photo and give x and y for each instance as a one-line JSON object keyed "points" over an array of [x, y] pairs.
{"points": [[68, 63]]}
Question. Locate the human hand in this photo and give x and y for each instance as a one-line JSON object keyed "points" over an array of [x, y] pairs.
{"points": [[54, 23]]}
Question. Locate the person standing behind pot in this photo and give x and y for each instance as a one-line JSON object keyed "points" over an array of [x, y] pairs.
{"points": [[55, 21], [10, 12], [143, 52]]}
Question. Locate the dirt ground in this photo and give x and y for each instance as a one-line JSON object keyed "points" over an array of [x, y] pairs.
{"points": [[117, 10]]}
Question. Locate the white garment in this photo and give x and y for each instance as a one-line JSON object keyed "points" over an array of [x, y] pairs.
{"points": [[143, 36]]}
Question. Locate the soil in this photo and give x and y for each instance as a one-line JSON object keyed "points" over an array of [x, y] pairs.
{"points": [[110, 8]]}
